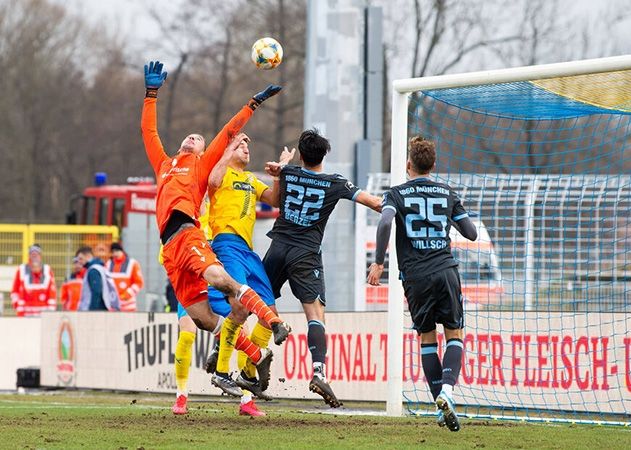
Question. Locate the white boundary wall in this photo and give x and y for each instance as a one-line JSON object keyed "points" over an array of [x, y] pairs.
{"points": [[585, 366], [20, 337]]}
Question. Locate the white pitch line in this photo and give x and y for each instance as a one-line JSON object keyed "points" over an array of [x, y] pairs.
{"points": [[57, 405], [345, 412], [77, 407]]}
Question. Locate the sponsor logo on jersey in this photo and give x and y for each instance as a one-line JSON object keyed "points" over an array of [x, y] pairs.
{"points": [[242, 186], [176, 170]]}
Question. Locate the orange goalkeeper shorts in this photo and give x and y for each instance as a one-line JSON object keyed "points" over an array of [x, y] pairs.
{"points": [[186, 258]]}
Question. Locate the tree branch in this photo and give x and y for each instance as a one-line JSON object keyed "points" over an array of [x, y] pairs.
{"points": [[465, 50], [437, 32]]}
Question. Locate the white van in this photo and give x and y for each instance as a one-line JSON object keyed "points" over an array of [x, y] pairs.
{"points": [[478, 266], [477, 263]]}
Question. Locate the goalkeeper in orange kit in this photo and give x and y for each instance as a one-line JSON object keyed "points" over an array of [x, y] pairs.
{"points": [[182, 183]]}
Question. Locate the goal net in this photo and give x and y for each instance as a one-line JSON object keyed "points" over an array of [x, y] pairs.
{"points": [[541, 157]]}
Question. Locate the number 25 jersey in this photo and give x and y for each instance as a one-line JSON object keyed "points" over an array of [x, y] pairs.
{"points": [[424, 212], [307, 199]]}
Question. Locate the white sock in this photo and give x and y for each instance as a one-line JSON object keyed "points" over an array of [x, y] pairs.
{"points": [[319, 370], [448, 389], [241, 291], [246, 397], [218, 327], [185, 394]]}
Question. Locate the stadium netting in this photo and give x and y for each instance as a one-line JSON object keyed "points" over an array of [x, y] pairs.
{"points": [[545, 168]]}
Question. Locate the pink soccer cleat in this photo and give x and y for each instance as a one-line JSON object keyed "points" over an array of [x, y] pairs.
{"points": [[180, 407], [250, 409]]}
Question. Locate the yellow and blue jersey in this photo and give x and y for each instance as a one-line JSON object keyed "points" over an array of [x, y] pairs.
{"points": [[233, 205]]}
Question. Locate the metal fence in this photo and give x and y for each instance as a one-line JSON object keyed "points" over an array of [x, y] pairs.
{"points": [[59, 244], [563, 242]]}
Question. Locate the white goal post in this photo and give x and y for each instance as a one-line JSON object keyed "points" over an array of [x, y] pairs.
{"points": [[400, 96]]}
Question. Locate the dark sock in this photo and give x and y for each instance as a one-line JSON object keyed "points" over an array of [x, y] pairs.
{"points": [[223, 374], [432, 368], [316, 340], [452, 361]]}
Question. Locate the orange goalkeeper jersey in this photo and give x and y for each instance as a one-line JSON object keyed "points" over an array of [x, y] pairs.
{"points": [[183, 179]]}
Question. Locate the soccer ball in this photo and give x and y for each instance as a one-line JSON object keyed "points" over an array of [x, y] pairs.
{"points": [[267, 53]]}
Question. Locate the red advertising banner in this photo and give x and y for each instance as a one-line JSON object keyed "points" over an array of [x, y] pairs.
{"points": [[579, 362]]}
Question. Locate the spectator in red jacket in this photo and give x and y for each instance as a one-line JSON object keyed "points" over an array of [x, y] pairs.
{"points": [[70, 293], [34, 288], [127, 276]]}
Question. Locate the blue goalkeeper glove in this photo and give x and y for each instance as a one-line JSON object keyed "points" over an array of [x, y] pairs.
{"points": [[259, 98], [154, 77]]}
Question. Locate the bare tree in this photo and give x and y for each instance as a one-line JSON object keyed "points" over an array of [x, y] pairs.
{"points": [[39, 43], [447, 31], [469, 35], [65, 109]]}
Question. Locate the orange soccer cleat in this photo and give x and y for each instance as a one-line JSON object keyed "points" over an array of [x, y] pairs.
{"points": [[250, 409], [180, 405]]}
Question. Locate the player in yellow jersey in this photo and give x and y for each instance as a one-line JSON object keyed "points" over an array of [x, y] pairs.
{"points": [[186, 338], [233, 193], [183, 351]]}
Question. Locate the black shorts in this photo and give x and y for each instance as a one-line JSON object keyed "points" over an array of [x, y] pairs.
{"points": [[303, 268], [437, 298]]}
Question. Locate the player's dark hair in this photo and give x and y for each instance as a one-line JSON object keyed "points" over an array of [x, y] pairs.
{"points": [[313, 147], [84, 251], [422, 154]]}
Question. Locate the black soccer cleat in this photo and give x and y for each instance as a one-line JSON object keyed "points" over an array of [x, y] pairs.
{"points": [[263, 368], [446, 404], [211, 362], [281, 331], [226, 384], [253, 386], [320, 386]]}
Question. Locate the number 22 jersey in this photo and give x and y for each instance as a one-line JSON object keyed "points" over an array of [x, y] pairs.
{"points": [[424, 212], [307, 199]]}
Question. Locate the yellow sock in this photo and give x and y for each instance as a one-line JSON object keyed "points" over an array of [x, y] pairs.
{"points": [[260, 336], [229, 332], [183, 357], [242, 361]]}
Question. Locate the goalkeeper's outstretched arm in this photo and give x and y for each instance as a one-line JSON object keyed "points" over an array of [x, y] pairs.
{"points": [[215, 149], [154, 78]]}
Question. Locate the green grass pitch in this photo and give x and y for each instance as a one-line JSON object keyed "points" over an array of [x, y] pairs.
{"points": [[76, 419]]}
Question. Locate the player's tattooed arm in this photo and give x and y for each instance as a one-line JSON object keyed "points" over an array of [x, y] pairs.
{"points": [[383, 236], [369, 200], [219, 171]]}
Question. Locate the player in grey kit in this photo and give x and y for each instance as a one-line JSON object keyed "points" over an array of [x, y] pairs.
{"points": [[307, 199], [425, 211]]}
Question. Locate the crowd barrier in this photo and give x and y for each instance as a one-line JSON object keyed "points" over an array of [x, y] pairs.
{"points": [[135, 352]]}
